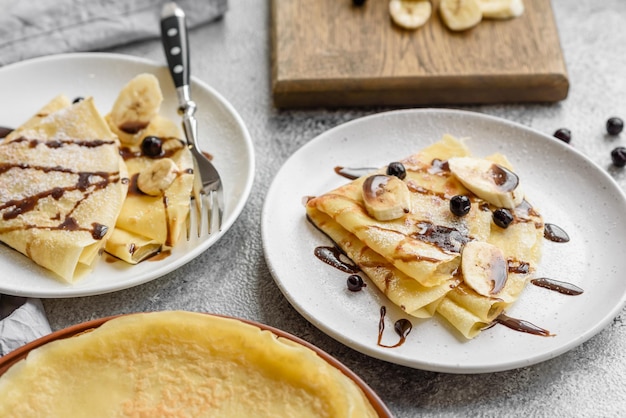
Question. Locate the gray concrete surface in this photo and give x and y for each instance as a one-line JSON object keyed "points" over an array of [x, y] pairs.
{"points": [[232, 278]]}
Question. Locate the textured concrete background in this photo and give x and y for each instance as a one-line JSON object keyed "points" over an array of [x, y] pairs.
{"points": [[231, 278]]}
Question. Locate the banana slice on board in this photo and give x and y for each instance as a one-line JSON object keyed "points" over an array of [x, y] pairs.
{"points": [[386, 197], [501, 9], [410, 14], [460, 15]]}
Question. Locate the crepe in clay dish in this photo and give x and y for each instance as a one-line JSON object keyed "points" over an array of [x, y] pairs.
{"points": [[178, 364]]}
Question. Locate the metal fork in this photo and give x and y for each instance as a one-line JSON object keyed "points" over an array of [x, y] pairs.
{"points": [[207, 181]]}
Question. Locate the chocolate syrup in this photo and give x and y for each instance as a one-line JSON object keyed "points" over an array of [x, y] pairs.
{"points": [[438, 166], [333, 257], [130, 153], [558, 286], [402, 327], [555, 233], [447, 239], [521, 325], [505, 179], [4, 131], [519, 267], [132, 127], [58, 143], [133, 189], [86, 182], [353, 173]]}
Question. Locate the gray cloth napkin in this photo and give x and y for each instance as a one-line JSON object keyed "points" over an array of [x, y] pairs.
{"points": [[42, 27], [22, 320]]}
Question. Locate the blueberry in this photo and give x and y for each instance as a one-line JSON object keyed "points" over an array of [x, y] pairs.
{"points": [[78, 99], [396, 169], [618, 155], [614, 126], [358, 2], [152, 146], [460, 205], [502, 217], [564, 135], [355, 283]]}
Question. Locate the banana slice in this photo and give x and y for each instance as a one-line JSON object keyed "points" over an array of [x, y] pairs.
{"points": [[484, 268], [386, 197], [489, 181], [460, 15], [410, 14], [137, 103], [501, 9], [156, 178]]}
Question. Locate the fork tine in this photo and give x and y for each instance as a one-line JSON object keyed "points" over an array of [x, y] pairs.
{"points": [[197, 194], [219, 194]]}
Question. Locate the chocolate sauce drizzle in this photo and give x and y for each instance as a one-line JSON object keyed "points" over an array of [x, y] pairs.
{"points": [[402, 327], [86, 183], [521, 326], [555, 233], [558, 286], [333, 256], [353, 173], [4, 131], [59, 143]]}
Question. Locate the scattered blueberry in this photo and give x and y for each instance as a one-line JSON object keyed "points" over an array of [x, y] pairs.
{"points": [[396, 169], [614, 126], [355, 283], [460, 205], [618, 155], [78, 99], [152, 146], [502, 217], [563, 134]]}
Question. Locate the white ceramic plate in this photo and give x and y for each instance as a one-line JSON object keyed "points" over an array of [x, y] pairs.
{"points": [[28, 85], [568, 189]]}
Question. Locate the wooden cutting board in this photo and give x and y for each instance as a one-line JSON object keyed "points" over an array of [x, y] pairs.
{"points": [[331, 53]]}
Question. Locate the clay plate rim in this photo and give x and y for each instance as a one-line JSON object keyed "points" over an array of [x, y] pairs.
{"points": [[20, 353]]}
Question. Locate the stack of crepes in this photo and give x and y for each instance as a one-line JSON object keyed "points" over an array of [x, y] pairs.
{"points": [[416, 259], [178, 364], [69, 175]]}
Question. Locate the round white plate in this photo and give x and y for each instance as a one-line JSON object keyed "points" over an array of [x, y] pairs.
{"points": [[29, 85], [569, 190]]}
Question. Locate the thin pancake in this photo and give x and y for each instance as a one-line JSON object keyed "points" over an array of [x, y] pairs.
{"points": [[431, 188], [178, 364], [62, 187]]}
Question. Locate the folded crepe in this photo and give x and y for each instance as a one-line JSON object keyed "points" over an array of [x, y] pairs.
{"points": [[149, 223], [178, 364], [62, 186], [415, 259]]}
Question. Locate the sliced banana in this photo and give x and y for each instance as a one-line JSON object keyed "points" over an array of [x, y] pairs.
{"points": [[484, 268], [460, 15], [386, 197], [156, 178], [501, 9], [488, 180], [410, 14], [137, 103]]}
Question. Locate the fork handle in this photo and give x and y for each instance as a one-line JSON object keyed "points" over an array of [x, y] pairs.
{"points": [[175, 43], [176, 47]]}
